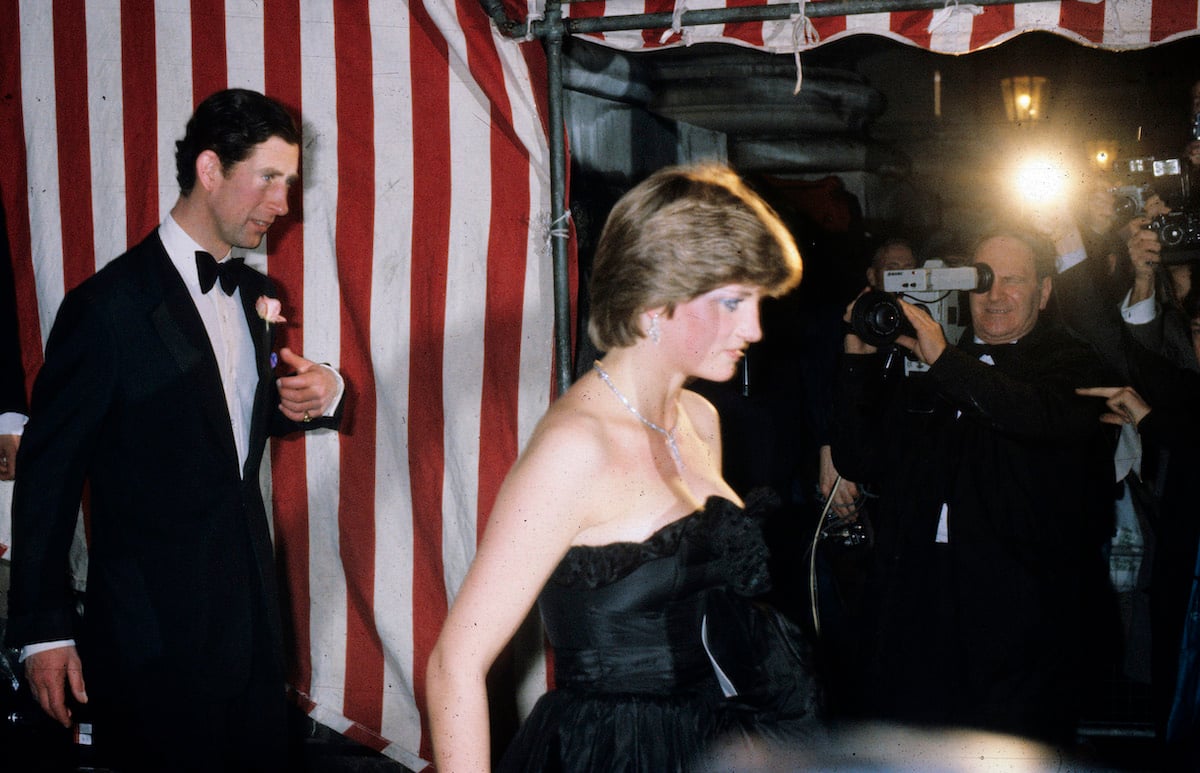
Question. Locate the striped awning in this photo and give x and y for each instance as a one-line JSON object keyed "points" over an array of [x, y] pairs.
{"points": [[945, 27]]}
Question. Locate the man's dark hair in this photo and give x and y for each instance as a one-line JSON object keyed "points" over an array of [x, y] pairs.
{"points": [[230, 123]]}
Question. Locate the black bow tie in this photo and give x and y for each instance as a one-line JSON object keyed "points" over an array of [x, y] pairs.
{"points": [[209, 270], [976, 349]]}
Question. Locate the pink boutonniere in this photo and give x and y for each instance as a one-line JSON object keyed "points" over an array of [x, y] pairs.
{"points": [[268, 309]]}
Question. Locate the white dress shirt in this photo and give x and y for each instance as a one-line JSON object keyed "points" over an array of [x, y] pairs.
{"points": [[225, 320]]}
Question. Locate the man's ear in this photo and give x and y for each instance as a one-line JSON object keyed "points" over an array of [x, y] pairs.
{"points": [[1047, 286], [208, 169]]}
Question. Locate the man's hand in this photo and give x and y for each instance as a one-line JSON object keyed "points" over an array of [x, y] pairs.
{"points": [[845, 499], [8, 455], [1058, 223], [47, 672], [308, 392], [852, 344], [1126, 406], [930, 341], [1145, 257], [1145, 251]]}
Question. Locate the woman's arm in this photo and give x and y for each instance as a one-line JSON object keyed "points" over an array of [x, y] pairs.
{"points": [[538, 512]]}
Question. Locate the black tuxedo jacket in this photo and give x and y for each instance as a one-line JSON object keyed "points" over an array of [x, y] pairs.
{"points": [[181, 574]]}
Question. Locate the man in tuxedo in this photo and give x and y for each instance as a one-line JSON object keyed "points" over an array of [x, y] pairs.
{"points": [[991, 476], [158, 390]]}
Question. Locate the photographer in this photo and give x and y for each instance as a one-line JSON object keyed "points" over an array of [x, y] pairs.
{"points": [[1153, 307], [893, 254], [986, 537], [1175, 593]]}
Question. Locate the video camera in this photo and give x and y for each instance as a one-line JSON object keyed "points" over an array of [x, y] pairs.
{"points": [[938, 289]]}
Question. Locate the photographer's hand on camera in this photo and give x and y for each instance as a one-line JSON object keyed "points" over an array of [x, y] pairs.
{"points": [[1057, 222], [846, 496], [930, 341], [852, 344], [1145, 255]]}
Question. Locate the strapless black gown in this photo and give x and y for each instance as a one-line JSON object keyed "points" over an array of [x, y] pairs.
{"points": [[649, 641]]}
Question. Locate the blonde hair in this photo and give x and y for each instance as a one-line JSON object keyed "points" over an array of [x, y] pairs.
{"points": [[682, 232]]}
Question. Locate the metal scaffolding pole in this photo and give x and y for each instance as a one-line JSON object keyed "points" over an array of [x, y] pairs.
{"points": [[558, 201]]}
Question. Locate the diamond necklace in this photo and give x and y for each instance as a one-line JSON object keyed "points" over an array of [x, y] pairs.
{"points": [[668, 434]]}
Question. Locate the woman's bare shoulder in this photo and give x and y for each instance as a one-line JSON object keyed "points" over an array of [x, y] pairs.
{"points": [[572, 426]]}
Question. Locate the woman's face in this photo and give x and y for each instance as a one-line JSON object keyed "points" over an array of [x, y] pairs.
{"points": [[711, 332]]}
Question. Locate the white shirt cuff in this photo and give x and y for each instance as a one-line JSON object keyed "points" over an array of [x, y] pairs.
{"points": [[1139, 313], [12, 423], [341, 390], [42, 646]]}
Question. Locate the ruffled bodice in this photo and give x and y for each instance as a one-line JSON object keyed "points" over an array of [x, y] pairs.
{"points": [[640, 633], [627, 617]]}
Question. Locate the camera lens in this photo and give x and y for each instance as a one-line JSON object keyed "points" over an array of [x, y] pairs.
{"points": [[877, 318], [1171, 235]]}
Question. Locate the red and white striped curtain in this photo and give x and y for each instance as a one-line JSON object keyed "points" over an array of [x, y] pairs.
{"points": [[416, 260], [957, 28]]}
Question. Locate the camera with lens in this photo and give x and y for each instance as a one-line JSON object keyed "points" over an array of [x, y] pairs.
{"points": [[1175, 180], [1172, 179], [1179, 235], [938, 289], [1130, 200]]}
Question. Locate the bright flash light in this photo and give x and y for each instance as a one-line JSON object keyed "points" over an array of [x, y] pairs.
{"points": [[1040, 182], [1023, 101]]}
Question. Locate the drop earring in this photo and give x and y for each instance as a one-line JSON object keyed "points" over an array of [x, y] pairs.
{"points": [[654, 332]]}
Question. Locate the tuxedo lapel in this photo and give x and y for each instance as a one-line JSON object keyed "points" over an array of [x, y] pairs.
{"points": [[181, 330], [260, 332]]}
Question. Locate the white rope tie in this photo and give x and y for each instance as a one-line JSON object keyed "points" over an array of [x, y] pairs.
{"points": [[951, 10], [677, 24], [529, 20], [558, 229], [804, 36]]}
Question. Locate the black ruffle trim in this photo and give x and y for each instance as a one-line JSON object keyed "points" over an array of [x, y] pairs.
{"points": [[722, 528]]}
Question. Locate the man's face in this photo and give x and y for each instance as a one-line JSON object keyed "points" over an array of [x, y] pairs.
{"points": [[1009, 310], [245, 201], [1101, 208], [895, 258], [1155, 206]]}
